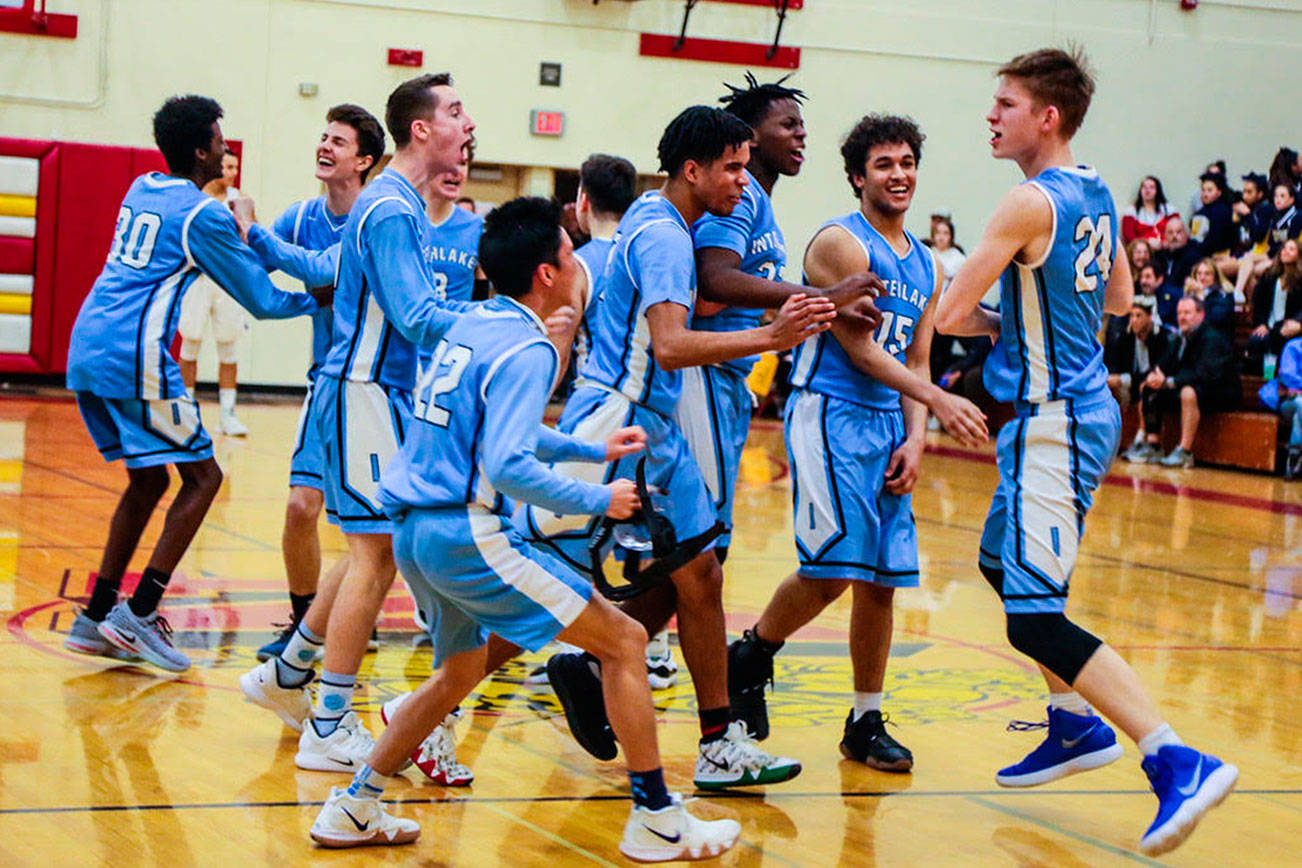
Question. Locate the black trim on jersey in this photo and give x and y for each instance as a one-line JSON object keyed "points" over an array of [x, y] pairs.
{"points": [[1050, 353]]}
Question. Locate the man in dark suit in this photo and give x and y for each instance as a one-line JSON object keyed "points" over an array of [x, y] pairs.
{"points": [[1130, 355], [1198, 375]]}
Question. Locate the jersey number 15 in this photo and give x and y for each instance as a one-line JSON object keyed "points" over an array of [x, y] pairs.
{"points": [[1097, 252]]}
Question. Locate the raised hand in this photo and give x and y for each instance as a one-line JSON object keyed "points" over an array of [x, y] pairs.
{"points": [[625, 441]]}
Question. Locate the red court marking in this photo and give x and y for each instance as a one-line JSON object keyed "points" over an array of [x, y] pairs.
{"points": [[1151, 485]]}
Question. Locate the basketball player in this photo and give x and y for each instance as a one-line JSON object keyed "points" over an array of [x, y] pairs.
{"points": [[1052, 243], [206, 302], [640, 342], [350, 145], [386, 305], [129, 389], [855, 430], [476, 443]]}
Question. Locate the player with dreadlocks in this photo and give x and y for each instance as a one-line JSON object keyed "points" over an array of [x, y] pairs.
{"points": [[739, 261]]}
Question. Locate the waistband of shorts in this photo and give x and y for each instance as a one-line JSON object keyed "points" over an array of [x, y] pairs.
{"points": [[1065, 406], [602, 387], [858, 405]]}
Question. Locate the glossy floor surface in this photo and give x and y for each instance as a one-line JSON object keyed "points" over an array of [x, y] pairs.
{"points": [[1195, 576]]}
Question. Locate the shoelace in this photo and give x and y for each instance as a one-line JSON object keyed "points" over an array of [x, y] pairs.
{"points": [[1025, 725], [164, 629], [737, 746]]}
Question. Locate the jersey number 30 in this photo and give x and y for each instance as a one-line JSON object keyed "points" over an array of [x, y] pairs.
{"points": [[1097, 252], [133, 239], [445, 369]]}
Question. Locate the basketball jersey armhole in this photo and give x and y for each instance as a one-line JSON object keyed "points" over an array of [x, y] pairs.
{"points": [[832, 224], [1053, 229]]}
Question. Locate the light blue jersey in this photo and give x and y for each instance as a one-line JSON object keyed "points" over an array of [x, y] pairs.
{"points": [[386, 300], [592, 256], [752, 233], [310, 225], [821, 365], [477, 435], [453, 254], [168, 231], [1048, 347], [652, 262]]}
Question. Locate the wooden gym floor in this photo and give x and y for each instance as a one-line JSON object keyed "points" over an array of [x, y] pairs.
{"points": [[1196, 576]]}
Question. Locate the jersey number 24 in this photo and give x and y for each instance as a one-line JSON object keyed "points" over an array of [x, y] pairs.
{"points": [[1094, 260]]}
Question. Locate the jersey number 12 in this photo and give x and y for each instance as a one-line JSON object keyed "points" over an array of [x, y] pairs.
{"points": [[433, 383]]}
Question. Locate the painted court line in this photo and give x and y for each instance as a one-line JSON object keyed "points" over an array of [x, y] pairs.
{"points": [[614, 797], [1075, 836]]}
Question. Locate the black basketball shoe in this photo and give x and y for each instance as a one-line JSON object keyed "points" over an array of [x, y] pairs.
{"points": [[579, 690], [750, 668], [867, 741]]}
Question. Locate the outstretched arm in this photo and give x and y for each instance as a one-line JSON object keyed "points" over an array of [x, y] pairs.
{"points": [[516, 397], [313, 267], [215, 246]]}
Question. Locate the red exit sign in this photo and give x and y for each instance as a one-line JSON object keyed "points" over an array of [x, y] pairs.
{"points": [[546, 123]]}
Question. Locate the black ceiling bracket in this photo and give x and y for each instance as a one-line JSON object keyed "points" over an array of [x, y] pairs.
{"points": [[781, 7]]}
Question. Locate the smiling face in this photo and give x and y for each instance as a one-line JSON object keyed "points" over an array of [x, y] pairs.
{"points": [[1283, 197], [718, 185], [210, 162], [1205, 274], [448, 185], [780, 137], [1288, 252], [889, 179], [336, 153]]}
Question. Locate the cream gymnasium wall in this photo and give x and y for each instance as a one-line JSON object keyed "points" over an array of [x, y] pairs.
{"points": [[1176, 88]]}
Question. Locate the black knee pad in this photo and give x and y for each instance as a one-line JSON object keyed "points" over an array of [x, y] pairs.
{"points": [[994, 577], [1054, 642]]}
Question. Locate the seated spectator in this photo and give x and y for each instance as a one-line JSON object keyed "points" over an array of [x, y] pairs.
{"points": [[1254, 213], [965, 369], [944, 348], [1130, 356], [1283, 394], [1287, 222], [1140, 253], [1146, 217], [1207, 283], [1164, 295], [1277, 305], [1286, 169], [1212, 225], [1178, 254], [1199, 375]]}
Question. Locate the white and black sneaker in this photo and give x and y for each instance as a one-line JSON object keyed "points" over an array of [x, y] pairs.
{"points": [[344, 750], [672, 834], [359, 821], [737, 760], [661, 669]]}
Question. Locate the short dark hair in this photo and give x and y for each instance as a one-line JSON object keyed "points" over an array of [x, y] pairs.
{"points": [[182, 126], [412, 100], [701, 134], [370, 135], [517, 238], [751, 103], [1151, 266], [1199, 304], [1058, 78], [1216, 178], [610, 183], [878, 129]]}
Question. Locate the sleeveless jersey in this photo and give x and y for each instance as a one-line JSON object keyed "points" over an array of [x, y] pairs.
{"points": [[652, 262], [1048, 347], [752, 233], [168, 231], [821, 365], [309, 224], [592, 256]]}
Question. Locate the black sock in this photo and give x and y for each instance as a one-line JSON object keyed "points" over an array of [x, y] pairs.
{"points": [[300, 603], [769, 648], [714, 722], [103, 597], [649, 789], [149, 592]]}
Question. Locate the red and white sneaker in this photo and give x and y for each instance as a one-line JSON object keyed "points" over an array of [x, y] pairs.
{"points": [[437, 755]]}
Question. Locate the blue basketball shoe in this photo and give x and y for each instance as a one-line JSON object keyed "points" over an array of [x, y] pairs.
{"points": [[1075, 743], [149, 637], [276, 646], [1188, 784], [84, 638]]}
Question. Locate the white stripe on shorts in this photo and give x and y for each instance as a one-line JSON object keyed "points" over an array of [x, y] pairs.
{"points": [[815, 514], [528, 577], [1046, 499], [694, 417]]}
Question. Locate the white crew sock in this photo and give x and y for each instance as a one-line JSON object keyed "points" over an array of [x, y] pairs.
{"points": [[866, 702], [1160, 737], [226, 398], [1070, 701]]}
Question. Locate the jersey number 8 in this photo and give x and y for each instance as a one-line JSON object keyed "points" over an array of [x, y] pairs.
{"points": [[1097, 251], [133, 240]]}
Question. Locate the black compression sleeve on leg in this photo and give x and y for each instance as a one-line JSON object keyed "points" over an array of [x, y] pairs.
{"points": [[994, 577], [1054, 642]]}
